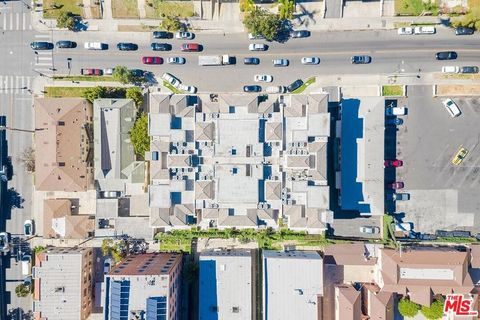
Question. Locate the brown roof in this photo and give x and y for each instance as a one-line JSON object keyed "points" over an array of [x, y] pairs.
{"points": [[58, 216], [348, 254], [156, 263], [62, 144], [348, 302], [380, 305]]}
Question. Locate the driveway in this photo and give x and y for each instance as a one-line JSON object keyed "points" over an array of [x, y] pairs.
{"points": [[333, 8]]}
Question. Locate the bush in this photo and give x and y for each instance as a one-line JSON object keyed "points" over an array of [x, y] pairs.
{"points": [[94, 93], [67, 20], [435, 311], [408, 308], [246, 5], [122, 74], [171, 24], [22, 290], [262, 22], [136, 95], [139, 136], [286, 9]]}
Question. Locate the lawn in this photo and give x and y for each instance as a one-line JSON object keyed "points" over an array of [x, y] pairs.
{"points": [[125, 9], [157, 9], [305, 85], [395, 90], [62, 5], [84, 78], [171, 88], [58, 92], [414, 7]]}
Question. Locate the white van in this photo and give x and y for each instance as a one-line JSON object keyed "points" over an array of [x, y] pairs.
{"points": [[26, 265], [94, 46], [450, 69], [276, 89], [424, 30]]}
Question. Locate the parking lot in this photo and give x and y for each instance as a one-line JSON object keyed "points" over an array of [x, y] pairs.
{"points": [[443, 195]]}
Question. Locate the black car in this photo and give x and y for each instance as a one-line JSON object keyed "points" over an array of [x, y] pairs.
{"points": [[464, 31], [444, 234], [469, 69], [161, 46], [361, 59], [65, 44], [251, 61], [295, 85], [41, 45], [162, 35], [446, 55], [126, 46], [137, 73], [426, 236], [300, 34], [461, 234], [393, 121], [253, 88]]}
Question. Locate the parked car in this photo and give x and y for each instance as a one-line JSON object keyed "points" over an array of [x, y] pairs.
{"points": [[477, 236], [127, 46], [162, 35], [295, 85], [450, 69], [280, 62], [459, 156], [251, 60], [41, 45], [361, 59], [263, 78], [369, 229], [91, 72], [405, 31], [451, 107], [300, 34], [469, 69], [444, 234], [152, 60], [176, 60], [137, 73], [252, 88], [95, 46], [257, 47], [190, 47], [461, 234], [393, 121], [171, 79], [4, 242], [161, 46], [310, 60], [396, 111], [189, 89], [26, 265], [107, 265], [396, 185], [393, 163], [276, 89], [108, 71], [424, 30], [426, 236], [28, 228], [401, 196], [464, 31], [184, 35], [252, 36], [65, 44], [446, 55]]}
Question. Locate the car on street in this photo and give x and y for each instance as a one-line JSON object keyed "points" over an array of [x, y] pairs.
{"points": [[276, 89], [469, 69], [444, 234], [189, 89], [41, 45], [459, 156], [280, 62], [446, 55], [251, 60], [171, 79], [95, 46], [252, 36], [393, 121], [401, 196], [127, 46], [156, 46], [66, 44], [425, 236], [450, 69], [137, 73], [91, 72], [28, 228], [190, 47], [295, 85], [152, 60], [257, 47], [4, 242], [396, 185], [263, 78], [369, 230], [162, 35], [361, 59], [393, 163], [396, 111], [461, 234], [176, 60], [184, 35], [252, 88], [424, 30], [310, 60], [464, 31], [300, 34], [108, 71], [107, 265], [451, 107], [405, 31]]}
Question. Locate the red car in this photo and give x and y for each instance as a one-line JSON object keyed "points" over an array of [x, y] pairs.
{"points": [[152, 60], [92, 72], [396, 185], [393, 163], [190, 47]]}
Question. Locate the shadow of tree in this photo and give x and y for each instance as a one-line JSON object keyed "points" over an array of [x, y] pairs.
{"points": [[305, 17], [14, 199]]}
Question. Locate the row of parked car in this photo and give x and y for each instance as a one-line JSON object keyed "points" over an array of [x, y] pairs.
{"points": [[460, 31], [272, 89]]}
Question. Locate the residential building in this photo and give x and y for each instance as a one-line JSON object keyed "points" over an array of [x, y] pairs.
{"points": [[61, 220], [63, 138], [292, 285], [63, 284], [144, 286], [227, 285]]}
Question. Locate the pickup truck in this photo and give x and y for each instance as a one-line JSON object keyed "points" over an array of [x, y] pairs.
{"points": [[215, 60], [95, 46]]}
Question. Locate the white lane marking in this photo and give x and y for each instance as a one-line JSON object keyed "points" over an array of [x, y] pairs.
{"points": [[17, 21]]}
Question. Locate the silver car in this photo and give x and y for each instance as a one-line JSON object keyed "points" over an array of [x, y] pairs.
{"points": [[401, 196], [310, 60], [184, 35], [4, 242], [280, 62], [175, 60], [369, 229]]}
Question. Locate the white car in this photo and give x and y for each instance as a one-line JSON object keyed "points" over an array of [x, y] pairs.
{"points": [[276, 89], [184, 35], [263, 78], [175, 60], [451, 107], [450, 69], [369, 229], [424, 30], [107, 265], [257, 47], [107, 71], [396, 111], [405, 31], [251, 36], [189, 89], [171, 79], [310, 60]]}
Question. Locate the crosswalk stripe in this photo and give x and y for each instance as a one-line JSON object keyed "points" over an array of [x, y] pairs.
{"points": [[44, 53], [11, 84], [43, 58], [24, 20], [11, 22], [1, 82], [42, 36], [17, 21], [5, 23]]}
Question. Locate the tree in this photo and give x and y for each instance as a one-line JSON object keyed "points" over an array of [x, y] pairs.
{"points": [[28, 159], [22, 290], [66, 19], [261, 22], [106, 246], [470, 20], [246, 5], [435, 311], [286, 9], [122, 74], [94, 93], [38, 249], [136, 95], [408, 308], [139, 136], [171, 23]]}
